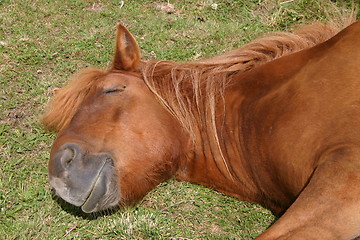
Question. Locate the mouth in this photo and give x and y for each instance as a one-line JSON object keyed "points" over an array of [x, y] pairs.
{"points": [[97, 191]]}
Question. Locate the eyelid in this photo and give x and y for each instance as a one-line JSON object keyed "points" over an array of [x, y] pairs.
{"points": [[113, 90]]}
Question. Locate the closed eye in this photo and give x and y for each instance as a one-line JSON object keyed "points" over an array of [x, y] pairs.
{"points": [[114, 90]]}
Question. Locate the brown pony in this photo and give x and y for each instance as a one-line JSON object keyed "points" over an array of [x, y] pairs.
{"points": [[276, 122]]}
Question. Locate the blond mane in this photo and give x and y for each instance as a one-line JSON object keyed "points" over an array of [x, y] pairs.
{"points": [[190, 91]]}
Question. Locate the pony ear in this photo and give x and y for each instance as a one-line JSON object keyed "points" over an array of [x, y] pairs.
{"points": [[127, 52]]}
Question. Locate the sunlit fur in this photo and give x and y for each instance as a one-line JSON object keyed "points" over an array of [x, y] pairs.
{"points": [[67, 100], [175, 83]]}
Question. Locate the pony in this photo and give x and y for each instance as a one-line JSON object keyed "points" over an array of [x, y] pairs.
{"points": [[275, 122]]}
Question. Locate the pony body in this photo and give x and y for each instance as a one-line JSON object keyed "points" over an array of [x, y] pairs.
{"points": [[275, 122]]}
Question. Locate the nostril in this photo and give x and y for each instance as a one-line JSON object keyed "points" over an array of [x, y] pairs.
{"points": [[67, 157]]}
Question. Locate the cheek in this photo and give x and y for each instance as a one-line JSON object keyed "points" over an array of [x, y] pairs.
{"points": [[143, 161], [139, 142]]}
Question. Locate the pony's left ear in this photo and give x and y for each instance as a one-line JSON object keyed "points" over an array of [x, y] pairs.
{"points": [[127, 52]]}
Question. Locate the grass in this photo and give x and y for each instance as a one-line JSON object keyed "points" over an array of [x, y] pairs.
{"points": [[43, 42]]}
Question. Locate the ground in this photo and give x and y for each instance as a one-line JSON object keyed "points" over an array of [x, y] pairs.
{"points": [[42, 43]]}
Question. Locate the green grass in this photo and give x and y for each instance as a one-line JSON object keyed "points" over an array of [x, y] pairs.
{"points": [[43, 42]]}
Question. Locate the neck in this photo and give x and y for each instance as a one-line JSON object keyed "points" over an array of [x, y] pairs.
{"points": [[215, 158], [196, 94]]}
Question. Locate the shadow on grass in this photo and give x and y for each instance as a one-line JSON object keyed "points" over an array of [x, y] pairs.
{"points": [[76, 211]]}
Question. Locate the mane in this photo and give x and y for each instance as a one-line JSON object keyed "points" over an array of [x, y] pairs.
{"points": [[67, 100], [193, 92], [190, 91], [183, 86]]}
